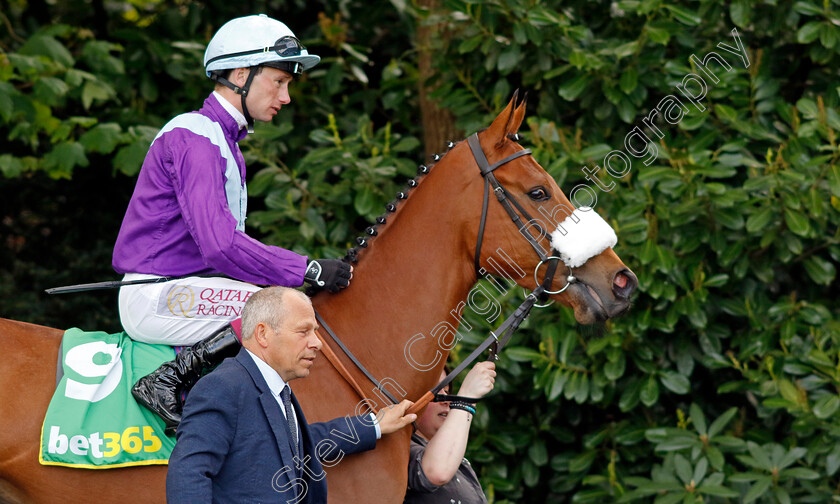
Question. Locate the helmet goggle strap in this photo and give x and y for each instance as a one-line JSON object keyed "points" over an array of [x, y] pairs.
{"points": [[285, 47]]}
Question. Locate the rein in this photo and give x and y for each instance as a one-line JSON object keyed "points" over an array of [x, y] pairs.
{"points": [[493, 342]]}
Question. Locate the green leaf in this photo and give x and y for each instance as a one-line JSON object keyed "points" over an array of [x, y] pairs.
{"points": [[658, 35], [630, 397], [715, 457], [629, 80], [509, 59], [800, 473], [683, 468], [722, 421], [700, 471], [523, 354], [613, 370], [538, 453], [50, 90], [650, 391], [582, 462], [760, 456], [740, 11], [684, 16], [807, 8], [828, 35], [130, 158], [834, 180], [365, 201], [10, 166], [808, 32], [530, 473], [827, 406], [102, 139], [406, 144], [561, 376], [782, 495], [60, 161], [571, 89], [760, 219], [45, 45], [7, 106], [698, 419], [675, 382], [718, 280], [96, 90], [470, 44], [717, 490], [797, 222], [820, 270], [758, 489]]}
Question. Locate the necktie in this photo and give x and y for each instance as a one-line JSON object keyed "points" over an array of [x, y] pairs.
{"points": [[286, 395]]}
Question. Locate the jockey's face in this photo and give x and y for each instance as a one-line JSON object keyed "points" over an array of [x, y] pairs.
{"points": [[269, 92]]}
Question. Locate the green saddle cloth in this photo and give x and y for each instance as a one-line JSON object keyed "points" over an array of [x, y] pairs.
{"points": [[93, 421]]}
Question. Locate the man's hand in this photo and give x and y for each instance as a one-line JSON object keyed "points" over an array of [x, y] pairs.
{"points": [[394, 417], [479, 381], [330, 274]]}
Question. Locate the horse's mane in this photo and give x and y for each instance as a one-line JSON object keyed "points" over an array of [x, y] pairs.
{"points": [[386, 220], [393, 209]]}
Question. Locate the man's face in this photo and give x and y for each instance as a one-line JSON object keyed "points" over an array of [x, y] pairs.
{"points": [[292, 349], [269, 91]]}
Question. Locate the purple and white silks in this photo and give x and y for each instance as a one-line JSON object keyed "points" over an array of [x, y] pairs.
{"points": [[187, 213]]}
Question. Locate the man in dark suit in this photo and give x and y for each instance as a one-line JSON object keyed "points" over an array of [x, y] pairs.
{"points": [[244, 438]]}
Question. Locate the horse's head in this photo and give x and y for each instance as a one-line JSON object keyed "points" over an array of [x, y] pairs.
{"points": [[603, 284]]}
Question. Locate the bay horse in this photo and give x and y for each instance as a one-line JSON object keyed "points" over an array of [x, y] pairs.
{"points": [[410, 281]]}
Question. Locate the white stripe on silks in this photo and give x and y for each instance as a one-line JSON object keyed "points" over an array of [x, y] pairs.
{"points": [[235, 190], [582, 236]]}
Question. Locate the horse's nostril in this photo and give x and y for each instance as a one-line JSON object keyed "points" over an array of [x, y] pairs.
{"points": [[620, 280], [624, 284]]}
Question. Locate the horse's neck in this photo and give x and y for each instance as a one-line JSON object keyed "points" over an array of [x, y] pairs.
{"points": [[407, 282]]}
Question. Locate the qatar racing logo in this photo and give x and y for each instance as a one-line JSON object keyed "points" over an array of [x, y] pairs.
{"points": [[202, 303]]}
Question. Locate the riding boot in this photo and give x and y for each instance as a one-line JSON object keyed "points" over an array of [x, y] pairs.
{"points": [[162, 390]]}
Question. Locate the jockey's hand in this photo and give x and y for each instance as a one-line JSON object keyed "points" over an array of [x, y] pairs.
{"points": [[330, 274]]}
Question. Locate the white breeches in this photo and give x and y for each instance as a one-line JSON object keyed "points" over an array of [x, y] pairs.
{"points": [[182, 311]]}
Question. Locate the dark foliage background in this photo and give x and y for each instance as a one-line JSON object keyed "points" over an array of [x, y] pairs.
{"points": [[722, 383]]}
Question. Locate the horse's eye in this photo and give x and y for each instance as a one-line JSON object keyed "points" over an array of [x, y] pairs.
{"points": [[539, 194]]}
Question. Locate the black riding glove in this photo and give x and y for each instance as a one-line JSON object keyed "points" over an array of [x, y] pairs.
{"points": [[330, 274]]}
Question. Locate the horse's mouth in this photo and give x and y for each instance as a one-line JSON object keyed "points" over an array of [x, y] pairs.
{"points": [[590, 304]]}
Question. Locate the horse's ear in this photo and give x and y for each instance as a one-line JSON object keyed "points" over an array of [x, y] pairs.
{"points": [[518, 116], [507, 122]]}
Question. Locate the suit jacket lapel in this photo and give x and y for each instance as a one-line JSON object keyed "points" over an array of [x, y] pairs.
{"points": [[276, 419]]}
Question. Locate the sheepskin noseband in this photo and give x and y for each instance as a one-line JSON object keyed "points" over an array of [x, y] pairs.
{"points": [[581, 236]]}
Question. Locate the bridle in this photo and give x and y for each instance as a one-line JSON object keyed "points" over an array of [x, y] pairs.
{"points": [[493, 342], [508, 201]]}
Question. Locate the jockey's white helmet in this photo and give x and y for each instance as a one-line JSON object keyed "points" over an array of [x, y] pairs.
{"points": [[257, 41]]}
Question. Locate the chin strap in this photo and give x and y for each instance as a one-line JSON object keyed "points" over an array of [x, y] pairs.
{"points": [[242, 91]]}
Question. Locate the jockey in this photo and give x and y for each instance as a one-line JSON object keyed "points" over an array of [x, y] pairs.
{"points": [[186, 218]]}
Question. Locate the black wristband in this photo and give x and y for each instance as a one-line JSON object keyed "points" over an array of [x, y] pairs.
{"points": [[447, 397], [462, 406]]}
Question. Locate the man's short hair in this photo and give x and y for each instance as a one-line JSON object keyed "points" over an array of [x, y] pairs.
{"points": [[267, 306]]}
